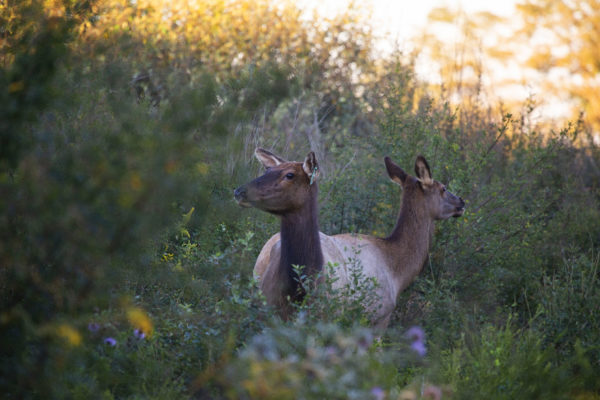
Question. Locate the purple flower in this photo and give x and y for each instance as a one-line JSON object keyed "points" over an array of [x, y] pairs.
{"points": [[419, 348], [417, 337], [416, 334], [139, 334], [110, 341], [378, 393], [93, 327]]}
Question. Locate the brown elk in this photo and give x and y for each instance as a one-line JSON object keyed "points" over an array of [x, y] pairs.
{"points": [[289, 190]]}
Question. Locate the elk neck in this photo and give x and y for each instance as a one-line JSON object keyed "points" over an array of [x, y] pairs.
{"points": [[408, 244], [300, 242]]}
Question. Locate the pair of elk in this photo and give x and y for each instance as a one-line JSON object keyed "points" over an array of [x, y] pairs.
{"points": [[289, 190]]}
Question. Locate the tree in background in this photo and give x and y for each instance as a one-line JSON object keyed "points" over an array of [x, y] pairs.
{"points": [[551, 44], [453, 44], [226, 37], [565, 38]]}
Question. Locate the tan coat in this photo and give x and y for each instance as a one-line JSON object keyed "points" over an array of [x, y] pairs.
{"points": [[379, 258]]}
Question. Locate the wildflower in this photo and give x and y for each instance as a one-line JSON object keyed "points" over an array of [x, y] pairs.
{"points": [[416, 334], [93, 327], [417, 337], [140, 320], [378, 393], [70, 334], [139, 334], [419, 348], [110, 341]]}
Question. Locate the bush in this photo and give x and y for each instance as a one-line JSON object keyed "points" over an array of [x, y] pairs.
{"points": [[118, 155], [567, 303], [502, 364], [508, 363], [314, 361]]}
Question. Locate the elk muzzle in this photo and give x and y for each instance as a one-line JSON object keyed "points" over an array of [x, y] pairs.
{"points": [[240, 196], [460, 208]]}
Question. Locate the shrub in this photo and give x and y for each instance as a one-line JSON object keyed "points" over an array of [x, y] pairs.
{"points": [[502, 364], [314, 361], [568, 301]]}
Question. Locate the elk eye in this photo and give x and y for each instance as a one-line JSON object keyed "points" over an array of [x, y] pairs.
{"points": [[289, 176], [443, 189]]}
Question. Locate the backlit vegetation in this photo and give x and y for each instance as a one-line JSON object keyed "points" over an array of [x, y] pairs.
{"points": [[126, 266]]}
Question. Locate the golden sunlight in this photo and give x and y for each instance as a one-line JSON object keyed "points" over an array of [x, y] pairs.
{"points": [[472, 43]]}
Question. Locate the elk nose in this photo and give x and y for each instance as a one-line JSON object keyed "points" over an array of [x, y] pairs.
{"points": [[462, 202], [239, 193]]}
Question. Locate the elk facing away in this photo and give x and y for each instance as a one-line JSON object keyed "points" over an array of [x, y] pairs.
{"points": [[289, 190]]}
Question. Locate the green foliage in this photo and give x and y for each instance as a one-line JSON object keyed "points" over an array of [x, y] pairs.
{"points": [[503, 364], [85, 200], [349, 305], [508, 363], [117, 166], [312, 361], [32, 44], [567, 305]]}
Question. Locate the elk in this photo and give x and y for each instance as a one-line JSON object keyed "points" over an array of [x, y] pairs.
{"points": [[289, 190]]}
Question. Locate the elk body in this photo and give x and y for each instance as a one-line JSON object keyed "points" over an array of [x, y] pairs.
{"points": [[289, 190]]}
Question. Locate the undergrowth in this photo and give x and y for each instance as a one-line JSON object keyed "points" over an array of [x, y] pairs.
{"points": [[126, 266]]}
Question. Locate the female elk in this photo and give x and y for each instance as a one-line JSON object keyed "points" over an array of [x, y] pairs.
{"points": [[289, 190]]}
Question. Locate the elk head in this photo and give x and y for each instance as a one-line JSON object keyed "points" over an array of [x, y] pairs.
{"points": [[285, 187], [428, 194]]}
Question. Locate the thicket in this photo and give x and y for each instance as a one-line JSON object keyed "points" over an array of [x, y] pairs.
{"points": [[126, 266]]}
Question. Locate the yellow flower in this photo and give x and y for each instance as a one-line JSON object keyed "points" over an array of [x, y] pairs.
{"points": [[69, 334], [140, 320]]}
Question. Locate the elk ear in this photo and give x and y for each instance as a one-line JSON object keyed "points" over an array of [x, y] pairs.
{"points": [[267, 158], [395, 173], [422, 170], [311, 167]]}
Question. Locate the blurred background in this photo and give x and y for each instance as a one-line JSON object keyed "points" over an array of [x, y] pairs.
{"points": [[126, 266]]}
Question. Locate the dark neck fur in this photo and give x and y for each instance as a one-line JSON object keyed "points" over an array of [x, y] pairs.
{"points": [[301, 245]]}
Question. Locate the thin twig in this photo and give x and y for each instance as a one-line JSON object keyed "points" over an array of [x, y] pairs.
{"points": [[336, 178]]}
